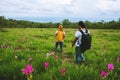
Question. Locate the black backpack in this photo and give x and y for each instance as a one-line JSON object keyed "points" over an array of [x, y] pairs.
{"points": [[85, 41]]}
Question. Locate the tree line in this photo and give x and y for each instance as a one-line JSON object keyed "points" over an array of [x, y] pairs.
{"points": [[11, 23]]}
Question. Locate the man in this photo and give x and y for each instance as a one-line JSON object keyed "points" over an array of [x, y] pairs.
{"points": [[77, 42], [60, 35]]}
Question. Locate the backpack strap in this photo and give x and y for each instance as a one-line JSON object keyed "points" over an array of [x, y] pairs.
{"points": [[86, 31], [82, 32]]}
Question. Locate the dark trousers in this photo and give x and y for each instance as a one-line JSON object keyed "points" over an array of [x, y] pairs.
{"points": [[61, 45], [79, 55]]}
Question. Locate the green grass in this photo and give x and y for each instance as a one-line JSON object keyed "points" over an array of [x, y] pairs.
{"points": [[35, 43]]}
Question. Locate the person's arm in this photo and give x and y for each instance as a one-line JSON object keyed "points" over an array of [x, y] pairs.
{"points": [[74, 41], [64, 35], [56, 33]]}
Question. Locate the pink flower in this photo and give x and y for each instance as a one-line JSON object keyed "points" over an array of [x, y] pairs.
{"points": [[103, 73], [30, 59], [56, 57], [28, 70], [24, 71], [47, 55], [2, 45], [110, 66], [118, 59], [18, 48], [6, 47], [46, 64], [52, 52], [26, 48], [63, 71]]}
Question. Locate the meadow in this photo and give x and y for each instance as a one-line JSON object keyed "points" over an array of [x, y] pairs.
{"points": [[20, 47]]}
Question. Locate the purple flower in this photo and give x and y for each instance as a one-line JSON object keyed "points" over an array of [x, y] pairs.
{"points": [[103, 73], [56, 57], [63, 71], [18, 48], [110, 66], [30, 59], [46, 64], [6, 47], [28, 70], [52, 53], [25, 71], [118, 59]]}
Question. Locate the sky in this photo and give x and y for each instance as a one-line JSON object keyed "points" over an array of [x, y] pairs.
{"points": [[96, 9]]}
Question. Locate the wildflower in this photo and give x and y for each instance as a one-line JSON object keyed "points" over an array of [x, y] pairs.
{"points": [[26, 48], [16, 57], [110, 66], [52, 53], [56, 57], [18, 48], [25, 71], [118, 59], [30, 59], [103, 73], [47, 55], [2, 45], [46, 64], [63, 71], [6, 47], [28, 70], [63, 61]]}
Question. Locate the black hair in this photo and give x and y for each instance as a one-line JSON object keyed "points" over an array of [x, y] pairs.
{"points": [[81, 23]]}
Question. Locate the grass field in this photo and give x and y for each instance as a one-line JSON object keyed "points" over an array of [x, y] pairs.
{"points": [[18, 45]]}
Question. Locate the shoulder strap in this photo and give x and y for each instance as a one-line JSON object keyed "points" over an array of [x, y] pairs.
{"points": [[82, 32], [86, 31]]}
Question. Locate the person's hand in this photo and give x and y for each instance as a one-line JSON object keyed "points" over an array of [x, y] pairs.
{"points": [[72, 45]]}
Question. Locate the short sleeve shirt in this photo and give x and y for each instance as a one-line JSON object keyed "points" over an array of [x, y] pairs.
{"points": [[78, 34]]}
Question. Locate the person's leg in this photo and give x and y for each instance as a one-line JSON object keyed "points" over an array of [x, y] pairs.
{"points": [[82, 57], [77, 51], [56, 45], [61, 45]]}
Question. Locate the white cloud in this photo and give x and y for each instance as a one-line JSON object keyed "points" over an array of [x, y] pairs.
{"points": [[61, 8], [109, 8], [109, 5]]}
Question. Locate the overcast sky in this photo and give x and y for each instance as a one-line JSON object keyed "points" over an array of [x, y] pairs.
{"points": [[60, 8]]}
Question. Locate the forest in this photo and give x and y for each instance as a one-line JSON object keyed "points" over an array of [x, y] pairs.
{"points": [[11, 23]]}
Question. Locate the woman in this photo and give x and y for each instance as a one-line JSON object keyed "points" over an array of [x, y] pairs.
{"points": [[77, 42], [60, 35]]}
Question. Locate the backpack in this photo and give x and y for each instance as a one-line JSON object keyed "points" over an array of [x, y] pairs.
{"points": [[85, 41], [60, 36]]}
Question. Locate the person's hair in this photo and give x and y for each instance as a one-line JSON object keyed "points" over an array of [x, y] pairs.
{"points": [[60, 26], [81, 23]]}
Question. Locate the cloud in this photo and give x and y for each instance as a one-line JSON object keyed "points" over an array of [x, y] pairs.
{"points": [[109, 8], [61, 8], [107, 5]]}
